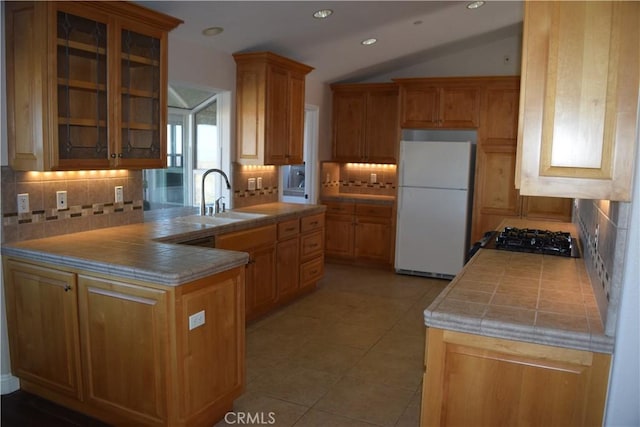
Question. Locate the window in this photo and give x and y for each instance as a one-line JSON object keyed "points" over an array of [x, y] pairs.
{"points": [[194, 144]]}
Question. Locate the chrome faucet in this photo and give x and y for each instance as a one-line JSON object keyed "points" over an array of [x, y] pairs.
{"points": [[207, 172]]}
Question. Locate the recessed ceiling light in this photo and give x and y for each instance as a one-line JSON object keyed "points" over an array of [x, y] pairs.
{"points": [[368, 42], [322, 13], [475, 4], [212, 31]]}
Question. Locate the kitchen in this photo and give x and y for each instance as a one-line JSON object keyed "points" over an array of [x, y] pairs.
{"points": [[221, 69]]}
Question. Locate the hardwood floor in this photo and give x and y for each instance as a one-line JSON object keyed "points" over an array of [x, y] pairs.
{"points": [[21, 409]]}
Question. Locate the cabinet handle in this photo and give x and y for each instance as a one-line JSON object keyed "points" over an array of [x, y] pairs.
{"points": [[113, 155], [119, 155], [289, 229], [313, 223], [67, 288]]}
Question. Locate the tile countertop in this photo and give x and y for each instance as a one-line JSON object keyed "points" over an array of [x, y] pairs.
{"points": [[359, 198], [147, 251], [543, 299]]}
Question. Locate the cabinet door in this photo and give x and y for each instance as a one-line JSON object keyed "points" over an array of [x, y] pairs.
{"points": [[277, 122], [420, 106], [287, 266], [42, 320], [373, 239], [459, 107], [382, 128], [495, 196], [124, 329], [349, 109], [262, 289], [580, 78], [143, 87], [338, 238], [296, 119], [473, 380]]}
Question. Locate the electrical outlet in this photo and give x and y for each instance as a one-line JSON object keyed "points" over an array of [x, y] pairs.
{"points": [[373, 178], [61, 200], [23, 203], [259, 183], [328, 178], [119, 196], [196, 320], [251, 184]]}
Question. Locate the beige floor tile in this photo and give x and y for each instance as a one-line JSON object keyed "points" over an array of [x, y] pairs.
{"points": [[400, 344], [332, 359], [391, 369], [349, 334], [253, 409], [294, 384], [366, 401], [272, 344], [349, 354], [315, 418], [411, 415]]}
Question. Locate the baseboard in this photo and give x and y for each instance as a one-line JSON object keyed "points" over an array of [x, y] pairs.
{"points": [[9, 384]]}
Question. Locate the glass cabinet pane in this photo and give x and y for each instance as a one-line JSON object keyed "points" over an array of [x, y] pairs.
{"points": [[82, 87], [140, 96]]}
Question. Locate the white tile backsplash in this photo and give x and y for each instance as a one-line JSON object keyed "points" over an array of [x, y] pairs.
{"points": [[603, 227]]}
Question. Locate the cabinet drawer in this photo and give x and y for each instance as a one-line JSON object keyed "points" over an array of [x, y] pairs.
{"points": [[287, 229], [340, 208], [247, 239], [311, 244], [311, 271], [312, 222], [373, 210]]}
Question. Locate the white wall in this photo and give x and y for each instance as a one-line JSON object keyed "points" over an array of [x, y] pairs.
{"points": [[623, 407], [486, 59]]}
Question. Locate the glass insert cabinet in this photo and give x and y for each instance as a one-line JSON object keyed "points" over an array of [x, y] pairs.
{"points": [[88, 85]]}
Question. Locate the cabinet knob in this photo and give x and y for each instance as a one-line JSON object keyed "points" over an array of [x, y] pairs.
{"points": [[113, 155], [67, 288], [119, 155]]}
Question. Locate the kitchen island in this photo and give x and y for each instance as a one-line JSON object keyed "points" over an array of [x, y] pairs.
{"points": [[516, 339], [127, 326]]}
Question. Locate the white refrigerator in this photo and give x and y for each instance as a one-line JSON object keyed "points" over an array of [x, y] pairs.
{"points": [[434, 200]]}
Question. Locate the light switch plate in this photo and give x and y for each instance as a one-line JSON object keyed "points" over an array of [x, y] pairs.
{"points": [[61, 200], [251, 184], [196, 320], [23, 203], [119, 194], [373, 178]]}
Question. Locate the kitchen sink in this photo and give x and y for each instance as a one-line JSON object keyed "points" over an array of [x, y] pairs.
{"points": [[221, 218], [238, 215]]}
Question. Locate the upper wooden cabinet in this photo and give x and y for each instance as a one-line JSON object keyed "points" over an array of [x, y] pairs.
{"points": [[365, 122], [269, 109], [579, 99], [86, 85], [495, 195], [450, 103]]}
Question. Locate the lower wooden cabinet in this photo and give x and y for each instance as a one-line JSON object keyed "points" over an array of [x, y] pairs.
{"points": [[42, 318], [483, 381], [124, 331], [122, 350], [261, 285], [359, 233], [312, 245], [285, 261]]}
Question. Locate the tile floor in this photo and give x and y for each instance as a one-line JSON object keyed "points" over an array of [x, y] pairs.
{"points": [[350, 354]]}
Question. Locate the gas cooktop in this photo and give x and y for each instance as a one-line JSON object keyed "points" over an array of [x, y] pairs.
{"points": [[534, 241]]}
